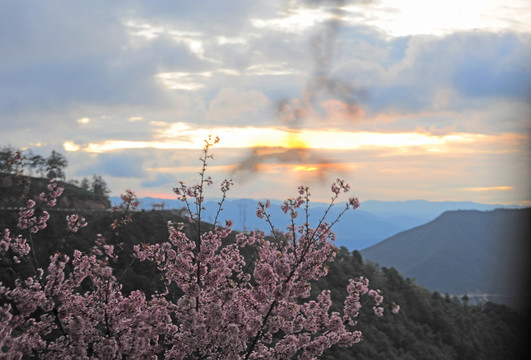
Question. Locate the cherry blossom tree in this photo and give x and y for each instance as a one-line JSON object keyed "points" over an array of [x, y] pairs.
{"points": [[225, 297]]}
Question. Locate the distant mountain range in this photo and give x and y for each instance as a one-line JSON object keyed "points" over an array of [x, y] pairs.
{"points": [[372, 223], [484, 253]]}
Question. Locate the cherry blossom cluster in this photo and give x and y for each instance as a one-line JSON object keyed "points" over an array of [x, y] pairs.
{"points": [[129, 203], [395, 308], [130, 199], [18, 245], [261, 209], [216, 302], [28, 220], [54, 191], [184, 192], [32, 218], [258, 313], [340, 185], [75, 222]]}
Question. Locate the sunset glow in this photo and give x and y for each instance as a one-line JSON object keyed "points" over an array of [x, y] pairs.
{"points": [[305, 168], [489, 188], [187, 137]]}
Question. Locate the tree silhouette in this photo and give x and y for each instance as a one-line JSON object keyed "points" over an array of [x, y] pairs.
{"points": [[99, 186], [55, 165]]}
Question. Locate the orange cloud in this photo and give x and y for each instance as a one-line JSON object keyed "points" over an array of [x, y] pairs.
{"points": [[488, 188]]}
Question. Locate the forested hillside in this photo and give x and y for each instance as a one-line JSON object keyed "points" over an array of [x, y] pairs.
{"points": [[430, 325]]}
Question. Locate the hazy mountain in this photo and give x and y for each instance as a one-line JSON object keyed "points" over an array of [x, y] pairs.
{"points": [[462, 252], [423, 209], [356, 230], [372, 223]]}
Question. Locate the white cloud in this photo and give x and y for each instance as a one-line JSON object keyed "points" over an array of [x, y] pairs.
{"points": [[135, 118], [183, 80], [293, 21], [71, 146], [222, 40], [143, 30], [271, 70], [83, 120], [415, 17]]}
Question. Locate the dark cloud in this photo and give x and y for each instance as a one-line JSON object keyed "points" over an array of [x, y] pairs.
{"points": [[39, 32], [58, 85], [59, 54], [499, 67], [407, 74]]}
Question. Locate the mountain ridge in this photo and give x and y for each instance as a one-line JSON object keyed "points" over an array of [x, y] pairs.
{"points": [[373, 222]]}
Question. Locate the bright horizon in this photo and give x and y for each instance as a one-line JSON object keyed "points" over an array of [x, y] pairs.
{"points": [[404, 99]]}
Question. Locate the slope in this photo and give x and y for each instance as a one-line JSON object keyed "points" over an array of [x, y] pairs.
{"points": [[462, 252]]}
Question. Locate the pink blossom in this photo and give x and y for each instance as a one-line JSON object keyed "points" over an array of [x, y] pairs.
{"points": [[226, 185], [214, 302], [378, 311], [395, 308], [260, 210], [354, 202], [75, 222]]}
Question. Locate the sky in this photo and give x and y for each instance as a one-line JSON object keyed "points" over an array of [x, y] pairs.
{"points": [[404, 99]]}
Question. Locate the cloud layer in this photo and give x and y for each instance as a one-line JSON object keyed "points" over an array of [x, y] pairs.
{"points": [[126, 77]]}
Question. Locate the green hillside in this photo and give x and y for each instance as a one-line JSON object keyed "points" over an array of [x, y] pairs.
{"points": [[463, 252], [12, 188]]}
